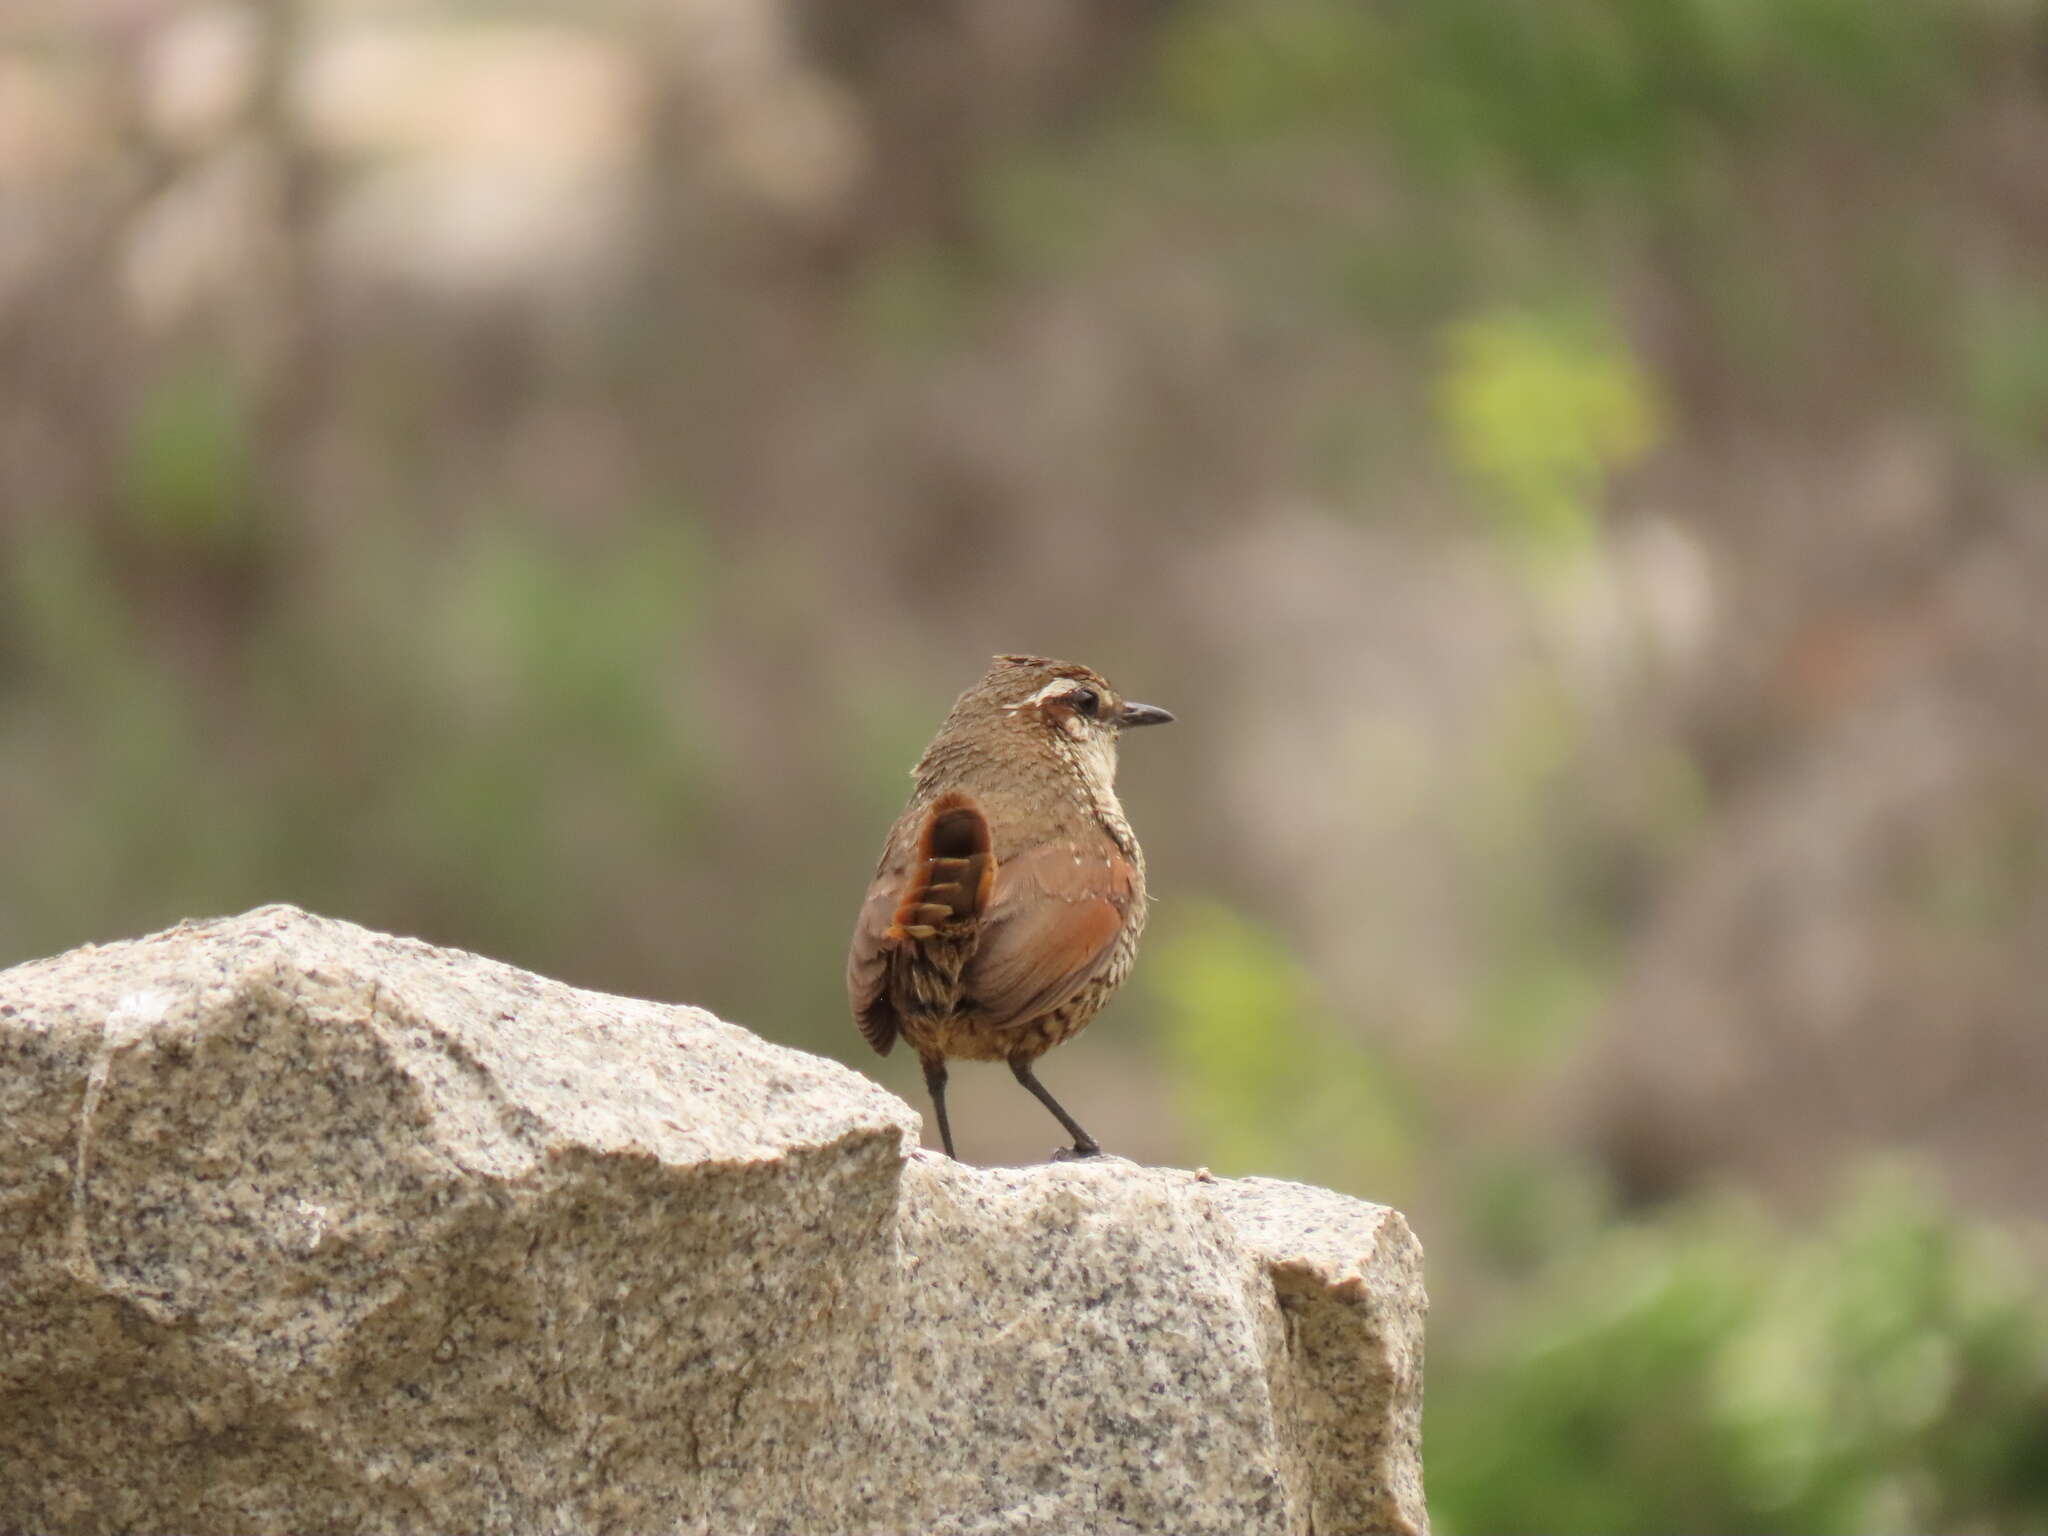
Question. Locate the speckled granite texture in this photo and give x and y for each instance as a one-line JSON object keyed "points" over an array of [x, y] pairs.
{"points": [[307, 1228]]}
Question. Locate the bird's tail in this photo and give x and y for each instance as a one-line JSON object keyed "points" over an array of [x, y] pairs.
{"points": [[956, 867]]}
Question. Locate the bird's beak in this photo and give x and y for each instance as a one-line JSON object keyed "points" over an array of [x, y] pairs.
{"points": [[1143, 714]]}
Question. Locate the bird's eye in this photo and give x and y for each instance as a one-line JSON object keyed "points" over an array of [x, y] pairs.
{"points": [[1086, 700]]}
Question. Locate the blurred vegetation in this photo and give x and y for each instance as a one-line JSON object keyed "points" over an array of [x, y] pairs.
{"points": [[1260, 1062], [1576, 470], [1543, 412], [1715, 1372], [1713, 1369]]}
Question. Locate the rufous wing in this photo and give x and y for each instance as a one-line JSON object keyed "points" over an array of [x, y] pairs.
{"points": [[938, 891], [1050, 926]]}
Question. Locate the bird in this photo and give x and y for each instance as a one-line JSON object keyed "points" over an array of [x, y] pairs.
{"points": [[1008, 901]]}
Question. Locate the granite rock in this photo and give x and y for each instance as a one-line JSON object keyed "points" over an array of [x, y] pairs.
{"points": [[306, 1227]]}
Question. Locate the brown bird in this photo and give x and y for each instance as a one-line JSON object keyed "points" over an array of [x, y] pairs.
{"points": [[1010, 896]]}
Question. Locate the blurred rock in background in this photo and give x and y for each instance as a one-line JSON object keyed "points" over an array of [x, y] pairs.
{"points": [[534, 478]]}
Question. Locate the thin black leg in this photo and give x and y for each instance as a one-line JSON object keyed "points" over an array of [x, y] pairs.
{"points": [[1084, 1144], [935, 1084]]}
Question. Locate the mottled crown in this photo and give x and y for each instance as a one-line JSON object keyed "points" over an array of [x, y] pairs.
{"points": [[1044, 668]]}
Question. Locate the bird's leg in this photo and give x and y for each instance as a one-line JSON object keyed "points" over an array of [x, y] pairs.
{"points": [[935, 1084], [1084, 1144]]}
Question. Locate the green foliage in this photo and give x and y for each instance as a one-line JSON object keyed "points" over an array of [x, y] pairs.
{"points": [[2002, 362], [1259, 1064], [1975, 875], [1229, 73], [188, 474], [493, 726], [1570, 94], [1539, 408], [1542, 981], [914, 300], [1708, 1372]]}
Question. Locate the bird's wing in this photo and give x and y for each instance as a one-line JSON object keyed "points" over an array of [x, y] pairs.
{"points": [[1051, 923], [867, 962], [935, 890]]}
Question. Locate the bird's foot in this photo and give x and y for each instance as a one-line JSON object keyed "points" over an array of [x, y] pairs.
{"points": [[1077, 1153]]}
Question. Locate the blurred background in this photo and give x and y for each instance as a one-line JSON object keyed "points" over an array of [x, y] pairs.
{"points": [[534, 474]]}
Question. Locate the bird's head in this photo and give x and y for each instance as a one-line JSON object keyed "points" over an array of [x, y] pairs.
{"points": [[1033, 710], [1063, 697]]}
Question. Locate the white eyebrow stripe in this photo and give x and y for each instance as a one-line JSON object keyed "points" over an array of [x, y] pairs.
{"points": [[1057, 685]]}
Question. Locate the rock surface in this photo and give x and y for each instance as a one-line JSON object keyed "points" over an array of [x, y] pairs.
{"points": [[304, 1227]]}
